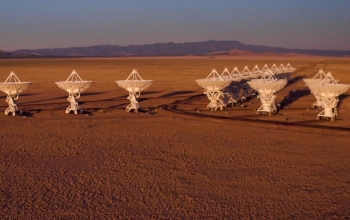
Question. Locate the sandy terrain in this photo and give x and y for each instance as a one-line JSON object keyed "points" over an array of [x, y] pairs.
{"points": [[109, 164]]}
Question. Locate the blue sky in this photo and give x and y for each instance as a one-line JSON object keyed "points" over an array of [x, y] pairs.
{"points": [[304, 24]]}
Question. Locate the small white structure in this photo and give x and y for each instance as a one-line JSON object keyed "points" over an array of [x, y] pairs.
{"points": [[275, 70], [231, 92], [319, 78], [134, 84], [290, 69], [227, 75], [214, 85], [246, 74], [326, 90], [264, 70], [282, 67], [234, 75], [281, 72], [255, 73], [13, 87], [74, 85], [267, 87], [329, 97]]}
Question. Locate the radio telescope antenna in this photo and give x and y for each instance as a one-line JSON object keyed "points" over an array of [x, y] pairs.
{"points": [[255, 73], [13, 87], [276, 70], [267, 87], [234, 76], [287, 71], [235, 71], [264, 69], [74, 85], [290, 69], [226, 74], [214, 85], [134, 84], [320, 78], [246, 73], [230, 92], [329, 98]]}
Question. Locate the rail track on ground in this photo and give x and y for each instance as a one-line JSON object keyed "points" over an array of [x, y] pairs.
{"points": [[173, 107]]}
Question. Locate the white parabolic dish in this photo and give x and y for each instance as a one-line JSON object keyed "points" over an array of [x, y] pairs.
{"points": [[74, 84], [13, 88], [329, 90], [318, 81], [273, 86], [134, 85], [74, 87], [312, 81], [213, 85]]}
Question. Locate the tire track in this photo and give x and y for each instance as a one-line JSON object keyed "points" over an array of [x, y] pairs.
{"points": [[174, 109]]}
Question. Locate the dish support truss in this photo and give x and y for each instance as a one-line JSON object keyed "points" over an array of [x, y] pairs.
{"points": [[134, 84], [216, 100], [329, 105], [268, 103], [12, 102], [74, 105], [74, 85], [13, 87]]}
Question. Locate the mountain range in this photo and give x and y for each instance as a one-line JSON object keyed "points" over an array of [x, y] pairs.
{"points": [[206, 48]]}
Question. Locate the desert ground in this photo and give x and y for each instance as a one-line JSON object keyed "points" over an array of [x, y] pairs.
{"points": [[110, 164]]}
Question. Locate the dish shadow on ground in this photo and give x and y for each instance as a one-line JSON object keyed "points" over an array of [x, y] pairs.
{"points": [[44, 100], [92, 93], [20, 95], [142, 93], [293, 96], [294, 80], [341, 99], [171, 94]]}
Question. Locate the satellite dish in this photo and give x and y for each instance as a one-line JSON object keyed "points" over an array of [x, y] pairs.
{"points": [[246, 73], [267, 87], [255, 73], [214, 85], [74, 85], [286, 71], [134, 84], [13, 87], [326, 90], [230, 95], [264, 69], [275, 70], [289, 68], [320, 78]]}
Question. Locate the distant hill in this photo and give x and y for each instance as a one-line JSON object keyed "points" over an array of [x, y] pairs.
{"points": [[207, 48], [8, 55], [4, 54]]}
